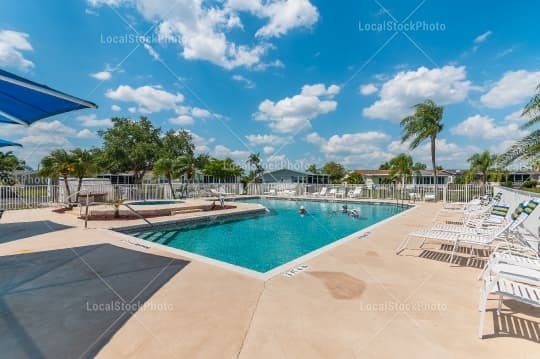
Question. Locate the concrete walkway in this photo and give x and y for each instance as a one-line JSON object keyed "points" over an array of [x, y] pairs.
{"points": [[358, 300]]}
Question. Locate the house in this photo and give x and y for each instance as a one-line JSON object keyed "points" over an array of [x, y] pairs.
{"points": [[423, 177], [285, 175]]}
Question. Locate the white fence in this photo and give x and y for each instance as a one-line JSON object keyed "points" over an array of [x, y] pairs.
{"points": [[19, 197], [446, 193]]}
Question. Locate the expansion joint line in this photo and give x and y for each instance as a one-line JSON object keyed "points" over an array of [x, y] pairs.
{"points": [[251, 321]]}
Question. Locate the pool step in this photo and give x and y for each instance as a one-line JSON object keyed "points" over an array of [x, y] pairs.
{"points": [[165, 238], [187, 210]]}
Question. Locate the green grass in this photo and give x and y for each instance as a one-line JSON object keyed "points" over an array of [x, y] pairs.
{"points": [[534, 190]]}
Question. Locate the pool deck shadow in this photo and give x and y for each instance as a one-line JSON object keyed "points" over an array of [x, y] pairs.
{"points": [[68, 303], [20, 230]]}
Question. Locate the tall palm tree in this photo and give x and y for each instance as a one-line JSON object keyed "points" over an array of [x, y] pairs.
{"points": [[529, 146], [254, 162], [170, 169], [58, 163], [424, 124], [401, 165], [482, 162], [84, 165]]}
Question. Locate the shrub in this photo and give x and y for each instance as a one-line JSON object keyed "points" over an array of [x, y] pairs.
{"points": [[507, 184], [529, 184]]}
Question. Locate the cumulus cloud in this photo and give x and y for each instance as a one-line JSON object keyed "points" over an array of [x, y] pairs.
{"points": [[102, 75], [445, 85], [202, 30], [12, 45], [92, 121], [116, 108], [368, 89], [292, 114], [484, 127], [221, 151], [256, 140], [268, 150], [515, 87], [86, 133], [448, 153], [351, 143], [182, 120], [150, 99]]}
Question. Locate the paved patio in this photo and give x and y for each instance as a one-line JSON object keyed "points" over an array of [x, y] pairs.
{"points": [[357, 300]]}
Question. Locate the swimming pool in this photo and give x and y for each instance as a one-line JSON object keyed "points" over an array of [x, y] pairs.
{"points": [[264, 242], [153, 203]]}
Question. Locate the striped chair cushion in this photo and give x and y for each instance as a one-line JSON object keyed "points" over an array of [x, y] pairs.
{"points": [[499, 211]]}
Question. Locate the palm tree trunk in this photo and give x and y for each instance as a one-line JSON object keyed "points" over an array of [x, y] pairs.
{"points": [[68, 192], [79, 186], [169, 179], [434, 165]]}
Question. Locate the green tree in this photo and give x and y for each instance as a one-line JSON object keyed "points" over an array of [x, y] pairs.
{"points": [[384, 166], [85, 164], [335, 170], [424, 124], [170, 169], [58, 163], [529, 146], [9, 163], [256, 169], [482, 162], [131, 145], [223, 169], [401, 166], [313, 169], [175, 144], [355, 178]]}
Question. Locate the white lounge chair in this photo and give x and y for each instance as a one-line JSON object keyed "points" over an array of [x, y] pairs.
{"points": [[483, 238], [357, 192], [429, 197], [521, 289], [322, 193], [332, 192], [340, 193], [271, 192]]}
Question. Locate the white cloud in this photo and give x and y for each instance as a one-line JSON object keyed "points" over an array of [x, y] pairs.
{"points": [[268, 150], [247, 82], [152, 52], [92, 121], [86, 133], [102, 75], [445, 85], [368, 89], [150, 99], [256, 140], [483, 37], [201, 29], [12, 44], [349, 143], [221, 151], [200, 113], [515, 87], [484, 127], [182, 120], [293, 114], [116, 108]]}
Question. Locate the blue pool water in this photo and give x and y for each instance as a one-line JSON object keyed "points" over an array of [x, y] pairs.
{"points": [[263, 242], [153, 203]]}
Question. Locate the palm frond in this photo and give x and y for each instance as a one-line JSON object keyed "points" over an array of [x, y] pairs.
{"points": [[527, 147]]}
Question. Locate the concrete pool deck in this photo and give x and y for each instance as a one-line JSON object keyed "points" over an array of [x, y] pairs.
{"points": [[356, 300]]}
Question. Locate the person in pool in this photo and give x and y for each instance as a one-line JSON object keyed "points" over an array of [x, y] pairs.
{"points": [[302, 210], [354, 213], [344, 209]]}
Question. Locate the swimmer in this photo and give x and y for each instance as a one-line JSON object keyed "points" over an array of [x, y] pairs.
{"points": [[302, 210], [344, 209], [354, 213]]}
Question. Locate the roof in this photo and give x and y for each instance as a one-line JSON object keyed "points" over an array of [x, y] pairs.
{"points": [[298, 173], [387, 172]]}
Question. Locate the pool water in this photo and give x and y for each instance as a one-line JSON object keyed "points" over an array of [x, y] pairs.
{"points": [[153, 203], [263, 242]]}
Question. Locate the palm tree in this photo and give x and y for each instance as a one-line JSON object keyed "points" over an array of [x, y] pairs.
{"points": [[84, 165], [425, 123], [168, 168], [529, 146], [58, 163], [401, 165], [254, 162], [482, 162]]}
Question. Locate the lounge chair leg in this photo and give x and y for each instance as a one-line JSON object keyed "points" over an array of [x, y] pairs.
{"points": [[402, 245], [499, 305], [481, 325]]}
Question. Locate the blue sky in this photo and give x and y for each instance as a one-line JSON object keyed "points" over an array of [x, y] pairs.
{"points": [[300, 81]]}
